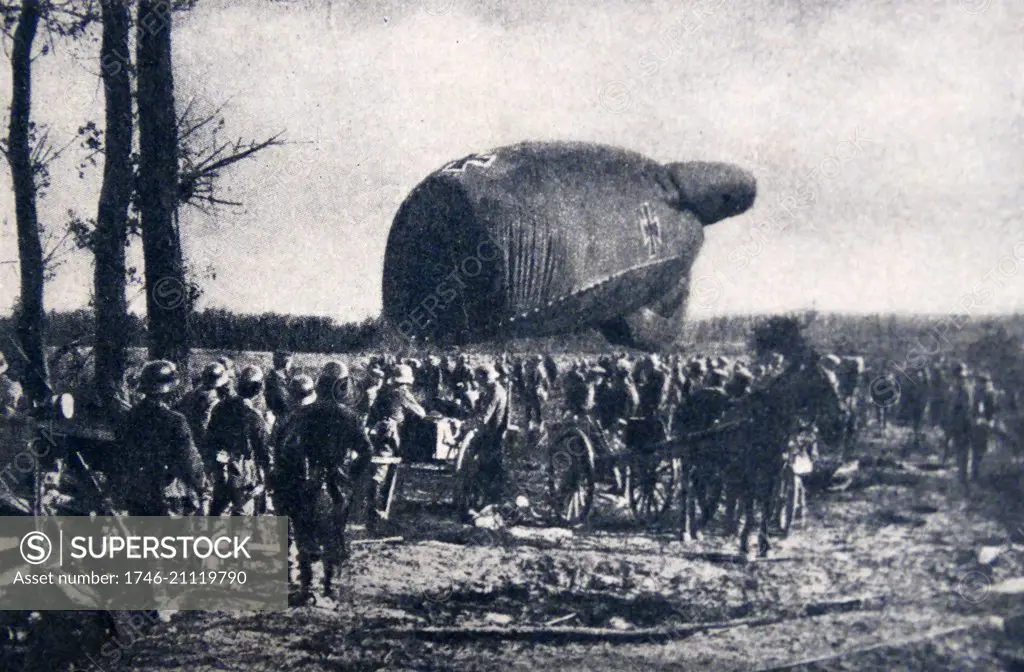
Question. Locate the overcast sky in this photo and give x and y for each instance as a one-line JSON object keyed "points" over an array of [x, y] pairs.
{"points": [[906, 115]]}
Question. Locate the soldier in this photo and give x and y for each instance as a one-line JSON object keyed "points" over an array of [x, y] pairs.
{"points": [[394, 405], [695, 373], [301, 393], [654, 389], [830, 365], [916, 398], [579, 392], [885, 392], [197, 405], [551, 369], [740, 383], [850, 375], [431, 380], [462, 373], [503, 365], [12, 397], [617, 399], [237, 444], [467, 395], [960, 425], [333, 383], [276, 388], [985, 408], [535, 390], [161, 470], [677, 391], [938, 394], [492, 423], [373, 385], [316, 473], [707, 466], [448, 376], [706, 404], [519, 375], [229, 366]]}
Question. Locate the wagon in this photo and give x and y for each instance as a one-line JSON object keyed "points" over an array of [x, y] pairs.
{"points": [[433, 449], [583, 457]]}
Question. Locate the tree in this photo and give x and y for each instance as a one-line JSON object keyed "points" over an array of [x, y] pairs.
{"points": [[167, 307], [173, 168], [111, 233], [31, 319], [201, 157]]}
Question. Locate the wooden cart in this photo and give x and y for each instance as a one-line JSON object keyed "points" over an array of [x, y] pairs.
{"points": [[581, 457]]}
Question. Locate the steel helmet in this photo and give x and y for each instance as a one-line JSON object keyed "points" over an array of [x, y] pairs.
{"points": [[158, 377], [301, 386], [215, 376], [251, 375], [403, 375], [250, 381], [228, 364], [334, 370]]}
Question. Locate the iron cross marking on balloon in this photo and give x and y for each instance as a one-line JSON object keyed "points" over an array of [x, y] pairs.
{"points": [[460, 165], [650, 229]]}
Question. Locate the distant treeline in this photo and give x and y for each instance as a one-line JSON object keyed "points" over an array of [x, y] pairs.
{"points": [[898, 344], [218, 329], [871, 335], [896, 337]]}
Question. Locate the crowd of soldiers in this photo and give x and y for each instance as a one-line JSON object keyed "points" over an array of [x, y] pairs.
{"points": [[245, 442], [964, 408], [242, 442]]}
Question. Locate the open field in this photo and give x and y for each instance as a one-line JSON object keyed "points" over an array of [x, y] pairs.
{"points": [[885, 575], [882, 576]]}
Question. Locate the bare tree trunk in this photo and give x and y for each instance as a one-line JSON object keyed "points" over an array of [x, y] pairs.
{"points": [[167, 304], [31, 319], [111, 234]]}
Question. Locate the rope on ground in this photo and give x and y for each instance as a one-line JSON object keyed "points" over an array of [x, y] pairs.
{"points": [[566, 634], [548, 634], [932, 634]]}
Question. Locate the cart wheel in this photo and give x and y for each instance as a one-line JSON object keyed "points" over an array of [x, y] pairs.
{"points": [[652, 481], [571, 478]]}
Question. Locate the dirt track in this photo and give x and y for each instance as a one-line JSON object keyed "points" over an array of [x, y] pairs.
{"points": [[892, 559]]}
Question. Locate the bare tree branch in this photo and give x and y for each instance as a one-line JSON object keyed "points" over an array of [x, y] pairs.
{"points": [[202, 166]]}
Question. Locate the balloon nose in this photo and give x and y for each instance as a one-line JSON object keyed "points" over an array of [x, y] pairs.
{"points": [[713, 191]]}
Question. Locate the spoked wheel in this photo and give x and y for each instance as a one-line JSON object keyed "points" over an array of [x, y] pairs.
{"points": [[652, 481], [571, 478]]}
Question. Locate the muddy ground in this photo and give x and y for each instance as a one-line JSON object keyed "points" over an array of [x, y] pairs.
{"points": [[885, 575]]}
